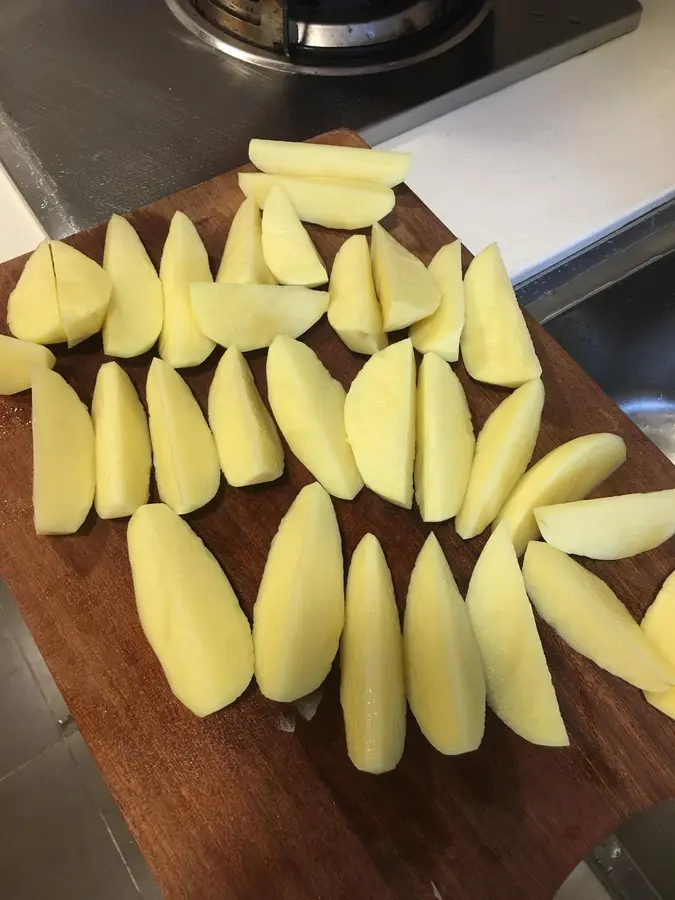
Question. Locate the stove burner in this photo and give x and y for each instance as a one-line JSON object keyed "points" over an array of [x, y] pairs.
{"points": [[332, 37]]}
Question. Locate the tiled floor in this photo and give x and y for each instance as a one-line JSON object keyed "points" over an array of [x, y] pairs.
{"points": [[61, 834]]}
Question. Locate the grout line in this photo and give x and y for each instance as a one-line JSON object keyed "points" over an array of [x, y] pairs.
{"points": [[37, 756]]}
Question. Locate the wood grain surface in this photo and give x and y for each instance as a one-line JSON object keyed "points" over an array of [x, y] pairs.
{"points": [[234, 808]]}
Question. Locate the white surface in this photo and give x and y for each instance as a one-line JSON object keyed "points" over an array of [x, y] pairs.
{"points": [[544, 167], [556, 161]]}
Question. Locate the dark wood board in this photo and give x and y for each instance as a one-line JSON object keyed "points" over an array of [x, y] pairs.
{"points": [[233, 808]]}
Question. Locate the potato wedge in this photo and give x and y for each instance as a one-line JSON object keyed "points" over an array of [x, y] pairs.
{"points": [[519, 686], [503, 451], [82, 290], [658, 625], [248, 443], [325, 201], [354, 311], [136, 310], [372, 688], [445, 441], [325, 161], [299, 612], [380, 422], [287, 247], [570, 472], [496, 344], [32, 307], [444, 672], [122, 441], [188, 611], [187, 469], [243, 261], [440, 332], [587, 614], [17, 359], [63, 455], [250, 316], [406, 290], [308, 405]]}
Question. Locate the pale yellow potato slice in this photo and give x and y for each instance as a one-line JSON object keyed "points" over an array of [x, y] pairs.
{"points": [[325, 161], [372, 687], [243, 261], [354, 311], [609, 527], [17, 359], [122, 441], [250, 316], [63, 455], [380, 422], [519, 686], [331, 202], [496, 344], [287, 247], [570, 472], [184, 260], [299, 611], [445, 441], [188, 611], [308, 405], [32, 307], [658, 625], [587, 614], [136, 310], [184, 453], [82, 290], [406, 290], [503, 450], [440, 332], [444, 673], [248, 444]]}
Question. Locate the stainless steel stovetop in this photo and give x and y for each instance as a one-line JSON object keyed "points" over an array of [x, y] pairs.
{"points": [[106, 105]]}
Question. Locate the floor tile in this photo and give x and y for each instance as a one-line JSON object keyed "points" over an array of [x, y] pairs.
{"points": [[582, 885], [10, 655], [27, 725], [55, 845]]}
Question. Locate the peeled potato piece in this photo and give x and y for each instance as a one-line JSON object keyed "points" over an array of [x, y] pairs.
{"points": [[32, 307], [136, 310], [354, 311], [323, 160], [83, 292], [188, 611], [380, 422], [406, 289], [243, 261], [440, 332], [250, 316], [496, 344], [187, 469], [519, 686], [587, 614], [610, 527], [248, 444], [17, 359], [372, 689], [287, 247], [325, 201], [308, 405], [184, 259], [445, 441], [659, 626], [63, 455], [299, 612], [503, 451], [444, 672], [122, 440], [570, 472]]}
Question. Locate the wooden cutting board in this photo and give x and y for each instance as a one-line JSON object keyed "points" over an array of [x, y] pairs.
{"points": [[234, 807]]}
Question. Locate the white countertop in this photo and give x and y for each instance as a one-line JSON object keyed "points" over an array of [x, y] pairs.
{"points": [[544, 167]]}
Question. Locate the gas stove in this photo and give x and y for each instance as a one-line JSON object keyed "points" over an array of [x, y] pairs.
{"points": [[107, 106]]}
